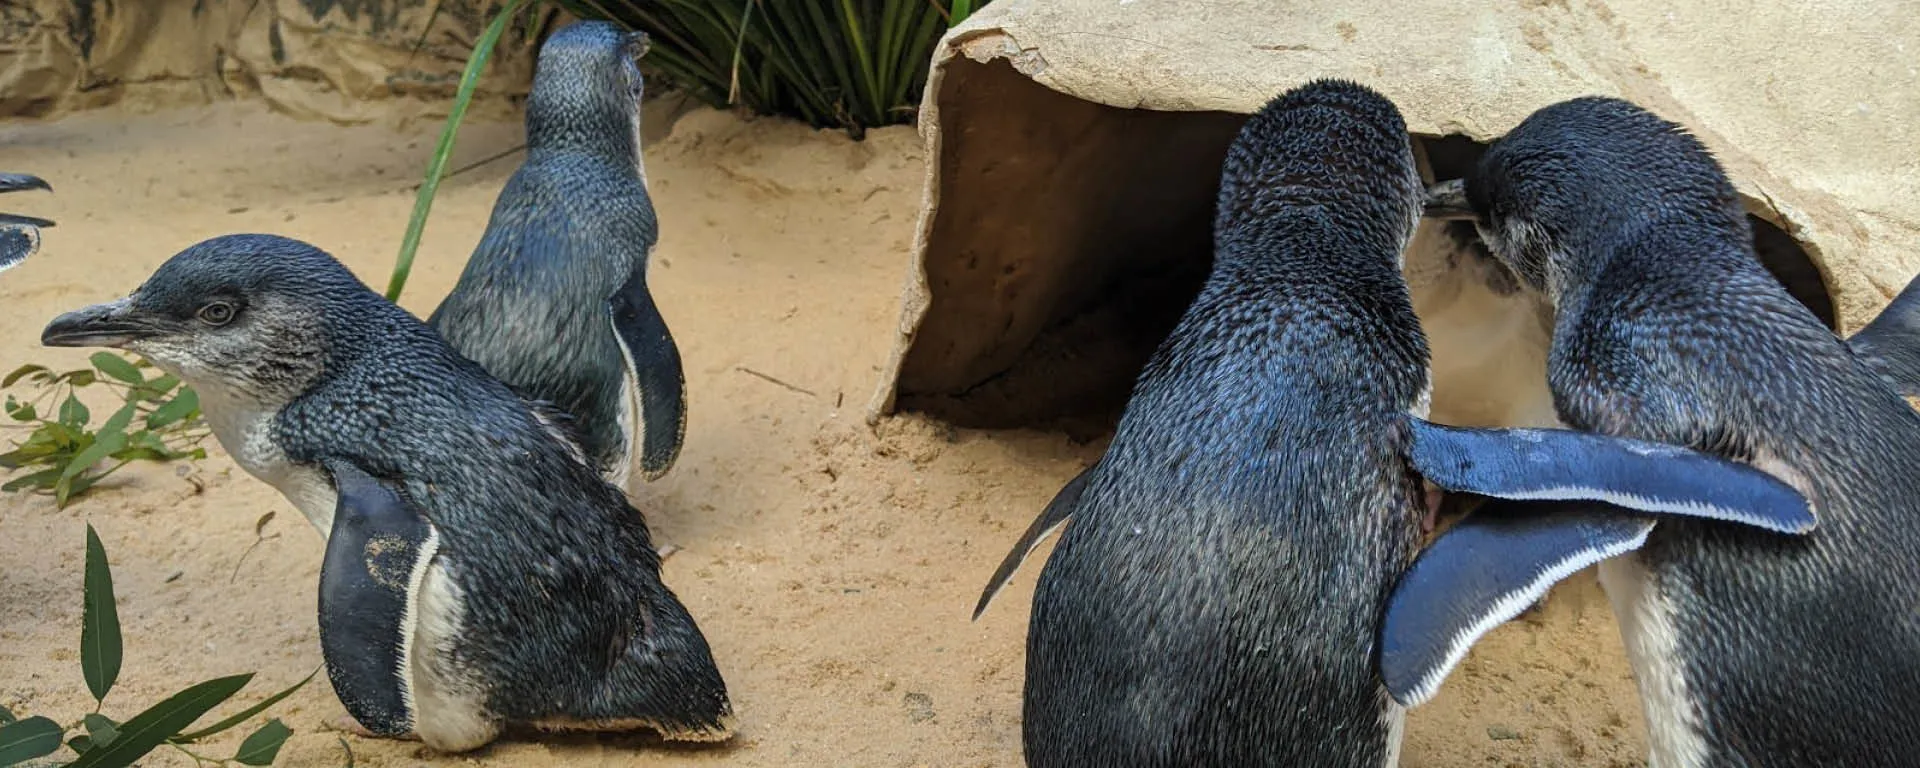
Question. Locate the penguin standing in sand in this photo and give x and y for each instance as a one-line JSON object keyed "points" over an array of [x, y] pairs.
{"points": [[1215, 601], [1749, 648], [554, 300], [477, 574], [20, 235]]}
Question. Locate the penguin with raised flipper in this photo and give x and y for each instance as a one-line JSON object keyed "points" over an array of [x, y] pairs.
{"points": [[478, 574], [554, 300], [1749, 648], [20, 235], [1215, 599]]}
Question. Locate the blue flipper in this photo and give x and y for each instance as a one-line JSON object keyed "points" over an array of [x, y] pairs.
{"points": [[375, 555], [1051, 519], [1890, 345], [655, 364], [1485, 570], [1566, 465]]}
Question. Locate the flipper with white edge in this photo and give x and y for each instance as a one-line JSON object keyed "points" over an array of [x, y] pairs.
{"points": [[1484, 570], [1567, 465], [376, 554]]}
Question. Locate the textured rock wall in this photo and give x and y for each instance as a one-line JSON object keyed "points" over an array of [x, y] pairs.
{"points": [[341, 60]]}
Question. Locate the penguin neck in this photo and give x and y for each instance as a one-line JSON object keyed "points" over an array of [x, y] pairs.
{"points": [[555, 131]]}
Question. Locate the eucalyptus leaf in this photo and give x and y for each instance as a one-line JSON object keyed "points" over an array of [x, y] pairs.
{"points": [[21, 372], [100, 730], [180, 407], [117, 367], [141, 733], [73, 413], [43, 479], [245, 714], [104, 444], [99, 622], [263, 745], [24, 740], [121, 418]]}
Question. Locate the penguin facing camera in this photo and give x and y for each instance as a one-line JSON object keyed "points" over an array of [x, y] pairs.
{"points": [[554, 300], [1216, 599], [1749, 648], [477, 574]]}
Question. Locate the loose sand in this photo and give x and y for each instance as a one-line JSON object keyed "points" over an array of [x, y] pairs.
{"points": [[831, 565]]}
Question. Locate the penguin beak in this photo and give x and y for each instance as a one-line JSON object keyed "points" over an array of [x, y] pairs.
{"points": [[113, 324], [1447, 201], [15, 182], [638, 44]]}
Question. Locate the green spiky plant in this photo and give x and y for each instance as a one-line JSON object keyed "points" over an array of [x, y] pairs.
{"points": [[98, 741], [848, 64]]}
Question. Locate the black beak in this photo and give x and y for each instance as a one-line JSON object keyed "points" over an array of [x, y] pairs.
{"points": [[112, 324], [14, 182], [1447, 201]]}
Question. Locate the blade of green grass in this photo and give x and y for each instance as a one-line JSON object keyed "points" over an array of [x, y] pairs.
{"points": [[423, 202]]}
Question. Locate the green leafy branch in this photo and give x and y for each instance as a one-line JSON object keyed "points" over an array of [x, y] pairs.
{"points": [[64, 456], [98, 741]]}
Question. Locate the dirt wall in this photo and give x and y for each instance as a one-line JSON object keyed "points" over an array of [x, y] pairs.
{"points": [[347, 61]]}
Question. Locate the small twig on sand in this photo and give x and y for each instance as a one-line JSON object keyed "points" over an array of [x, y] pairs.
{"points": [[752, 372]]}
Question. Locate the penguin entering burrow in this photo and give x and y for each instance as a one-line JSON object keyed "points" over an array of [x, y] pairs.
{"points": [[477, 574], [1749, 648], [20, 235], [1216, 599], [554, 300]]}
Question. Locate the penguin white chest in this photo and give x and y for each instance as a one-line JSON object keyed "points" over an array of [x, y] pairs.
{"points": [[246, 431]]}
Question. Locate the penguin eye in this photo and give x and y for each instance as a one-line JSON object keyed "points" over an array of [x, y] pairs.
{"points": [[216, 313]]}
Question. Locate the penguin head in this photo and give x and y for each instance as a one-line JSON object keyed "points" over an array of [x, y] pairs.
{"points": [[1549, 197], [239, 317], [1329, 148], [587, 89]]}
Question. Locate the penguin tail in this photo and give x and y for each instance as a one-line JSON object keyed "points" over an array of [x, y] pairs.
{"points": [[664, 679]]}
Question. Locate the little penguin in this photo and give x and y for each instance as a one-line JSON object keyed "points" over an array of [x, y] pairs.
{"points": [[20, 235], [478, 574], [1216, 600], [1749, 647], [554, 300], [1890, 345]]}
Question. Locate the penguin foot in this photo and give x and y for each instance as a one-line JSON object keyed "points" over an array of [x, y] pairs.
{"points": [[346, 724]]}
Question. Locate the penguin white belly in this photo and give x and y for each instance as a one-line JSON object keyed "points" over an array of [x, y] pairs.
{"points": [[1648, 631], [246, 431], [1395, 719], [448, 703]]}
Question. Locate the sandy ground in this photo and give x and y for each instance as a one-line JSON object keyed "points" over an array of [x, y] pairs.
{"points": [[832, 565]]}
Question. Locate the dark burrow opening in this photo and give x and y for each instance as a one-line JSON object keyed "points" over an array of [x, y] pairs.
{"points": [[1077, 373]]}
